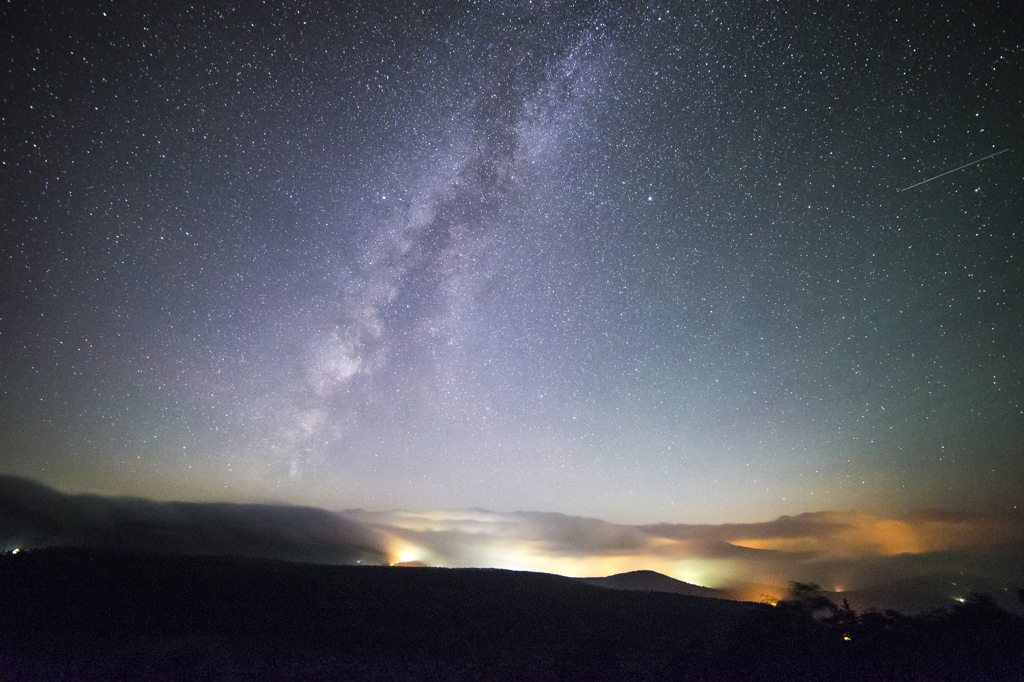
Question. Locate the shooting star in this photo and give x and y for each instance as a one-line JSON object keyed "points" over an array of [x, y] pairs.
{"points": [[954, 170]]}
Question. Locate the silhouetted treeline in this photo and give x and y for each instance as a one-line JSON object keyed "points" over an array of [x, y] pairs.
{"points": [[807, 636], [86, 614]]}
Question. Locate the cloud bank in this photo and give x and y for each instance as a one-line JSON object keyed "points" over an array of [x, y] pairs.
{"points": [[33, 516], [842, 551], [839, 550]]}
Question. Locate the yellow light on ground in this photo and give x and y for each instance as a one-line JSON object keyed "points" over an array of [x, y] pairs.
{"points": [[403, 552]]}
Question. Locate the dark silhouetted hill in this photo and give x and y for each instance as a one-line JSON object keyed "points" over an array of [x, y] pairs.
{"points": [[89, 614], [652, 581]]}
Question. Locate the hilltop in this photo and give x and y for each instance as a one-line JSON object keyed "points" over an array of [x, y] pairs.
{"points": [[94, 614]]}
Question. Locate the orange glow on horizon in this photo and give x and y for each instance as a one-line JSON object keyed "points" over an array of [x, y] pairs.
{"points": [[751, 562], [851, 535]]}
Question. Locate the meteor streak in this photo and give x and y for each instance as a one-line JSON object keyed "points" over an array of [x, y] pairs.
{"points": [[953, 171]]}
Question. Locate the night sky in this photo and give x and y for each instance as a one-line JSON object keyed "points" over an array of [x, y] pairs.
{"points": [[645, 264]]}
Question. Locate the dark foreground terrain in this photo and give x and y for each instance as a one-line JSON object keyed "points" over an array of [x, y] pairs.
{"points": [[88, 614]]}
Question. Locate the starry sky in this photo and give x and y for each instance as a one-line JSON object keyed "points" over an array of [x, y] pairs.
{"points": [[636, 261]]}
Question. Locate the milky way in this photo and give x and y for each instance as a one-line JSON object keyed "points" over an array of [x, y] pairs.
{"points": [[646, 264]]}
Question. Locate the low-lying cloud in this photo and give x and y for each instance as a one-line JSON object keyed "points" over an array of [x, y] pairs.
{"points": [[33, 516], [840, 550]]}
